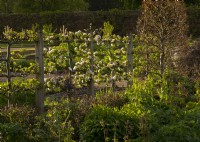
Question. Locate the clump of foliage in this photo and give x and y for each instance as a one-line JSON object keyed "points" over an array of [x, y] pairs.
{"points": [[185, 130], [107, 124], [142, 113], [111, 99], [107, 30], [190, 61], [58, 84], [146, 111], [55, 123], [16, 122], [23, 91]]}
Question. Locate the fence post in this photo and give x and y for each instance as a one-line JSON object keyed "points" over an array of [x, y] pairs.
{"points": [[70, 61], [40, 74], [9, 73], [130, 59], [113, 83], [91, 82]]}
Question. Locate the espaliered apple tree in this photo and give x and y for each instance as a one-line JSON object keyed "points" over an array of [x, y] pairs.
{"points": [[10, 69]]}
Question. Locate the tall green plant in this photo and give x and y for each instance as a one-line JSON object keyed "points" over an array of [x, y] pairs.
{"points": [[107, 30], [55, 123], [106, 124]]}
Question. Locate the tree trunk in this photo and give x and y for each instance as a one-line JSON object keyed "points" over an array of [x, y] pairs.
{"points": [[162, 63]]}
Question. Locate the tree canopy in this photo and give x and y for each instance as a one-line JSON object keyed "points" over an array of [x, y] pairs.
{"points": [[192, 2], [114, 4], [35, 6]]}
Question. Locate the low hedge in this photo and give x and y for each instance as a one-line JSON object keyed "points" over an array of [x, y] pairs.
{"points": [[123, 21]]}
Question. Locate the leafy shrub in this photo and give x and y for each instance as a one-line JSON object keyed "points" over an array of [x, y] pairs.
{"points": [[22, 63], [22, 92], [193, 113], [197, 87], [107, 124], [12, 133], [145, 120], [185, 130], [83, 106], [180, 86], [58, 84], [173, 89], [111, 99], [180, 132], [55, 124], [80, 107], [17, 114], [145, 93], [15, 123], [150, 116], [147, 103]]}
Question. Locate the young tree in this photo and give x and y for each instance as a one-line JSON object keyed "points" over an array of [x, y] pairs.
{"points": [[162, 28]]}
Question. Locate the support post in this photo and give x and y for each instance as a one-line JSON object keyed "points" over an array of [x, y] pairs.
{"points": [[130, 59], [91, 82], [70, 61], [40, 74], [9, 74]]}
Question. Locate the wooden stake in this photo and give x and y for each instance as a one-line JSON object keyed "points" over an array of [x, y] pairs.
{"points": [[91, 82], [9, 74], [70, 61], [130, 59], [40, 74]]}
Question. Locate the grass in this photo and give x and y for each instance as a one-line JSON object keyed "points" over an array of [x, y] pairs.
{"points": [[19, 45]]}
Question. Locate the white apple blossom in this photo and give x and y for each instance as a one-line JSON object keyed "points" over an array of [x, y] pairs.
{"points": [[113, 40], [97, 38]]}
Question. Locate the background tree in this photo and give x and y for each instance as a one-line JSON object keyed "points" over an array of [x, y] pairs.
{"points": [[95, 5], [35, 6], [162, 28], [131, 4], [6, 6], [192, 2], [113, 4]]}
